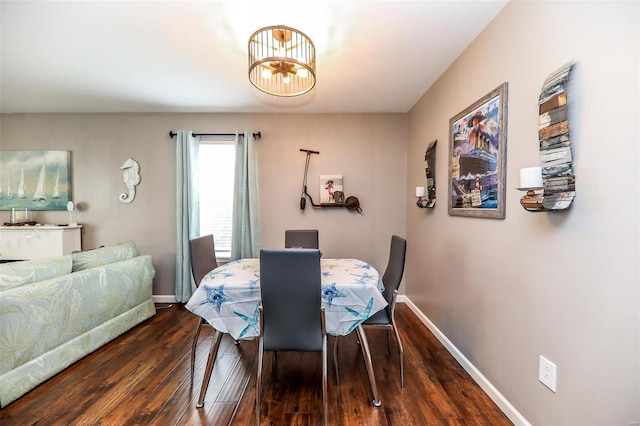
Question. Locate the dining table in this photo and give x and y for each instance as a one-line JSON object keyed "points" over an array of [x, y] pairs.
{"points": [[228, 298]]}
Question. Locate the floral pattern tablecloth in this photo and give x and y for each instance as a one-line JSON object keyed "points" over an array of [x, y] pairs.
{"points": [[229, 296]]}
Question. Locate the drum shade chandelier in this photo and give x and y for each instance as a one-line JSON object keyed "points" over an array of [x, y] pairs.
{"points": [[282, 61]]}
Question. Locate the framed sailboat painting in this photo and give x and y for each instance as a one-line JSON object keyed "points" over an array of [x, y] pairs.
{"points": [[35, 180]]}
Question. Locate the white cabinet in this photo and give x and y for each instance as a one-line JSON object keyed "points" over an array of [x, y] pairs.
{"points": [[38, 242]]}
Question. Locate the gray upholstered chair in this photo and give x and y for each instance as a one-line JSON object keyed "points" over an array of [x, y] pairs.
{"points": [[203, 260], [385, 318], [302, 238], [291, 315]]}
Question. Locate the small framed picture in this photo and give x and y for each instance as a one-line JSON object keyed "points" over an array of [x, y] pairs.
{"points": [[330, 186]]}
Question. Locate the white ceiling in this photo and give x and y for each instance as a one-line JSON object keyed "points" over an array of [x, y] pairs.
{"points": [[191, 56]]}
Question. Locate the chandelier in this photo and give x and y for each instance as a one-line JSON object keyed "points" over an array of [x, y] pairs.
{"points": [[282, 61]]}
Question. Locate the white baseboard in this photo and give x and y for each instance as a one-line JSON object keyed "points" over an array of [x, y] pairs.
{"points": [[504, 405], [164, 298]]}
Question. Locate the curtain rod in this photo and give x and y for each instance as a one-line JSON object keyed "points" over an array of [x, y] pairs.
{"points": [[257, 135]]}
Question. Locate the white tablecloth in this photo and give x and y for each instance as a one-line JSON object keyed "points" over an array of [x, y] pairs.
{"points": [[229, 296]]}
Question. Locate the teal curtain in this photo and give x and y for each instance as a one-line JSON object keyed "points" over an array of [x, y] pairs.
{"points": [[245, 239], [187, 210]]}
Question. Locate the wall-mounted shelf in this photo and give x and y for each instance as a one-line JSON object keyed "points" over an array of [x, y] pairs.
{"points": [[351, 203]]}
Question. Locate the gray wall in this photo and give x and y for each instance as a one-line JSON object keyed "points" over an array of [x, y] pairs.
{"points": [[563, 285], [369, 150]]}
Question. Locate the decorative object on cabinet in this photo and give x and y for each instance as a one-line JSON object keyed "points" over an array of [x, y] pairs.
{"points": [[20, 217], [35, 180], [557, 179], [71, 207], [282, 61], [131, 177], [478, 157], [430, 172], [331, 190]]}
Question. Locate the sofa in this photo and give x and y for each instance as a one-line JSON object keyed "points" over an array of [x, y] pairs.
{"points": [[55, 311]]}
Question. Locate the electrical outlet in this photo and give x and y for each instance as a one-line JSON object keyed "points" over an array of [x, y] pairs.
{"points": [[547, 373]]}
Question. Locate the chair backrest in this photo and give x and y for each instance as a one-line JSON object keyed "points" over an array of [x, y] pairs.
{"points": [[291, 300], [203, 257], [304, 238], [395, 268]]}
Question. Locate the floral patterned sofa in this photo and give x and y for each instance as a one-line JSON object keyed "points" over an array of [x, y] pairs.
{"points": [[55, 311]]}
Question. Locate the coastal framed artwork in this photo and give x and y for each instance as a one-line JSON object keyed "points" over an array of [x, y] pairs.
{"points": [[35, 180], [478, 157]]}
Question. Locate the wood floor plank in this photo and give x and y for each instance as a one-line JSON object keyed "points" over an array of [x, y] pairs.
{"points": [[143, 378]]}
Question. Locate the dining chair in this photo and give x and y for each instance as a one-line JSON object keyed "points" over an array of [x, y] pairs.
{"points": [[302, 238], [385, 318], [291, 315], [203, 261]]}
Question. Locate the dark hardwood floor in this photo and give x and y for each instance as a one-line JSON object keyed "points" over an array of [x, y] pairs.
{"points": [[142, 378]]}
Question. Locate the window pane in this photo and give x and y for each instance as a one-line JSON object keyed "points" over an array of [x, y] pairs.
{"points": [[217, 163]]}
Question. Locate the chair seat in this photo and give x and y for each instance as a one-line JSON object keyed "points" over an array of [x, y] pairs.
{"points": [[379, 318]]}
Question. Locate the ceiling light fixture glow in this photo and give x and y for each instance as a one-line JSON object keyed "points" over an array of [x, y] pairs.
{"points": [[282, 61]]}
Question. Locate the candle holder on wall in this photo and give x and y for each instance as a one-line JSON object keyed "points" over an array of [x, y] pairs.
{"points": [[531, 181], [421, 202], [556, 178]]}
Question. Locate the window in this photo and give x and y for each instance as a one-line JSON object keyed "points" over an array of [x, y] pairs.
{"points": [[217, 167]]}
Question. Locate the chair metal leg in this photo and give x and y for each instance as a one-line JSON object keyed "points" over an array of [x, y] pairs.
{"points": [[259, 380], [213, 352], [395, 330], [366, 353], [335, 359], [324, 380], [193, 347]]}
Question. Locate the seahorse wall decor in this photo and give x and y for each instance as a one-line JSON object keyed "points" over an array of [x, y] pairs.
{"points": [[131, 177]]}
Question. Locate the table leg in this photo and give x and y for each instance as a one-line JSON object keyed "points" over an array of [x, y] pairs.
{"points": [[366, 353], [213, 352]]}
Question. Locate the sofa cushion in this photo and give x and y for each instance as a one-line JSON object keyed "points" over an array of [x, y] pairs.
{"points": [[16, 274], [104, 255]]}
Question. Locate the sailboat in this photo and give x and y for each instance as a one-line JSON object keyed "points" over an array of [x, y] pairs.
{"points": [[21, 188], [39, 194], [56, 189], [9, 192]]}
